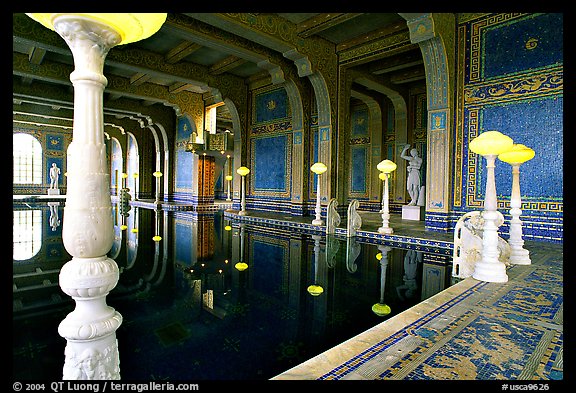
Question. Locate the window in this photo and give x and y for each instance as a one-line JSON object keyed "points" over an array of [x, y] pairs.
{"points": [[27, 234], [27, 159]]}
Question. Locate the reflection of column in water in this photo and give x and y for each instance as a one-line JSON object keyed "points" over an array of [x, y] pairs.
{"points": [[241, 265], [315, 289], [382, 309]]}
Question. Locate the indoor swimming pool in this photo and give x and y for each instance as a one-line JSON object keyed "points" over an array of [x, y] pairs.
{"points": [[214, 298]]}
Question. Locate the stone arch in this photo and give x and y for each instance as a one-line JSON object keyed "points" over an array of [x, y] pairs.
{"points": [[434, 33]]}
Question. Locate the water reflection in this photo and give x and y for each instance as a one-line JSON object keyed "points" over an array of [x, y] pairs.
{"points": [[190, 311]]}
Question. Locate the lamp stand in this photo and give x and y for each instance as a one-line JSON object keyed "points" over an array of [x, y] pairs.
{"points": [[518, 254], [318, 210], [91, 351], [228, 195], [242, 211], [385, 228], [489, 268]]}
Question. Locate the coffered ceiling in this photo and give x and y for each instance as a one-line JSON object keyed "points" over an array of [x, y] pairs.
{"points": [[208, 46]]}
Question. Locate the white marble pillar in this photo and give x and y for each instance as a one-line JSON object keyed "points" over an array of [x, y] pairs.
{"points": [[489, 268], [518, 254], [88, 231]]}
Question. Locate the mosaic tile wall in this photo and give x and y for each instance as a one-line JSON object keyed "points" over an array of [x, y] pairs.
{"points": [[270, 149], [510, 79]]}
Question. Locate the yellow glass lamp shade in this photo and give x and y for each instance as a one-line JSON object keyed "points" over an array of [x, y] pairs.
{"points": [[242, 171], [157, 174], [491, 143], [379, 256], [228, 228], [318, 168], [134, 230], [228, 177], [135, 175], [517, 155], [315, 290], [123, 227], [382, 176], [241, 266], [157, 238], [130, 27], [124, 175], [381, 309], [386, 166]]}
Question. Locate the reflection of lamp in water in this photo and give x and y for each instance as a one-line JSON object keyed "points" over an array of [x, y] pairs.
{"points": [[241, 266], [490, 144], [91, 275], [228, 179], [385, 167], [382, 309], [516, 156], [157, 236], [318, 168], [315, 289], [243, 171]]}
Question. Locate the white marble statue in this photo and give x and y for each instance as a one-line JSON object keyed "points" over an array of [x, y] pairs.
{"points": [[410, 277], [54, 174], [413, 181]]}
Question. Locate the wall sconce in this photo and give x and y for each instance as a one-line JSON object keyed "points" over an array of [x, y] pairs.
{"points": [[243, 171], [516, 156], [385, 167], [490, 144], [318, 168]]}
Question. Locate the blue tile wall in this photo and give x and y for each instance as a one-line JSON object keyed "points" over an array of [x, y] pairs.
{"points": [[359, 160], [522, 45], [270, 163], [272, 105]]}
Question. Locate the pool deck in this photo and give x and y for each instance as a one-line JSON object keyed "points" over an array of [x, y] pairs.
{"points": [[473, 330]]}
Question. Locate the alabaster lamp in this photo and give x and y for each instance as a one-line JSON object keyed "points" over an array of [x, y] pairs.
{"points": [[243, 171], [318, 168], [490, 144], [88, 228], [228, 179], [382, 309], [157, 175], [385, 167], [516, 156]]}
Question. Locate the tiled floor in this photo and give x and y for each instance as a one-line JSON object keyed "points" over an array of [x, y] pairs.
{"points": [[473, 330]]}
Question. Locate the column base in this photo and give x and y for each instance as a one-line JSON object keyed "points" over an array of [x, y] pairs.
{"points": [[53, 191], [242, 213], [317, 222], [490, 272], [387, 230], [520, 257]]}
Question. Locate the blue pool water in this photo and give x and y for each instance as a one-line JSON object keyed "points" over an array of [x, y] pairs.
{"points": [[189, 314]]}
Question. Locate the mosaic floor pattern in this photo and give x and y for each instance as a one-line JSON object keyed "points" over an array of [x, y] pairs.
{"points": [[473, 330]]}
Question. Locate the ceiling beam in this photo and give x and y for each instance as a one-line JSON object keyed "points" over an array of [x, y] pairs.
{"points": [[36, 55], [226, 65], [396, 63], [410, 75], [394, 28], [139, 78], [181, 51], [322, 22]]}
